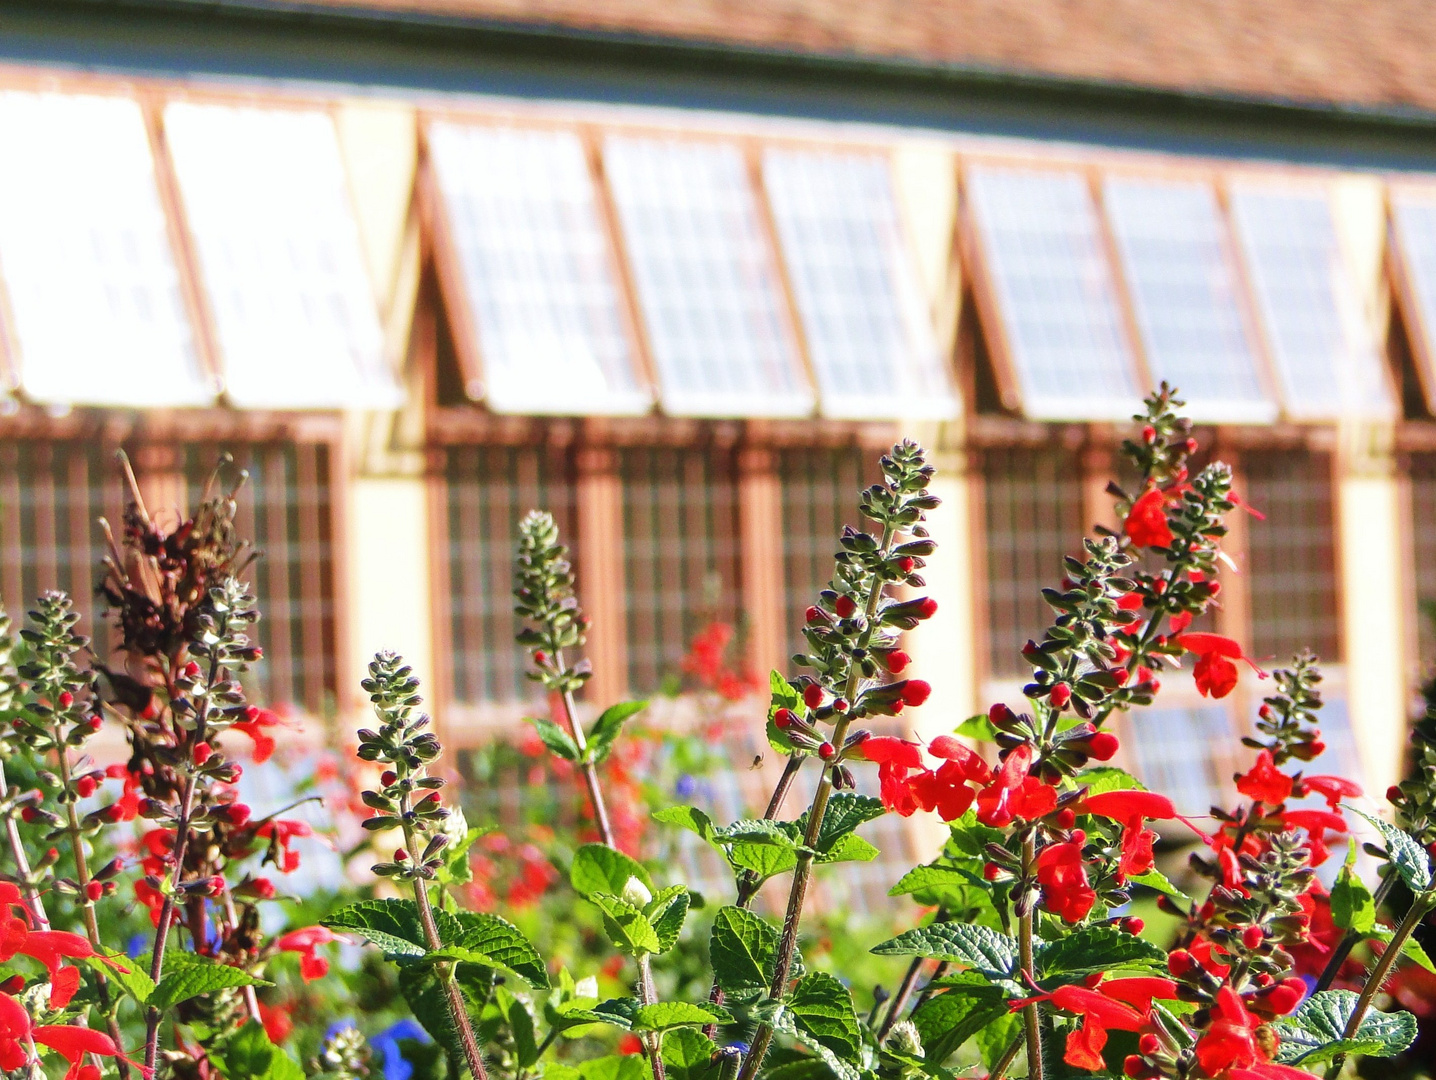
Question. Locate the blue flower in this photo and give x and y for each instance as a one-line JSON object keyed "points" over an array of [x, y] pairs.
{"points": [[686, 786], [338, 1026], [387, 1045], [137, 946]]}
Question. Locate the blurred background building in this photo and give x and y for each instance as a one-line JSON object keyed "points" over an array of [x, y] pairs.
{"points": [[678, 271]]}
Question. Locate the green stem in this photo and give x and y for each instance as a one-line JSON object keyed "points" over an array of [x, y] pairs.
{"points": [[33, 903], [1005, 1061], [1419, 907], [1031, 1016], [1349, 942]]}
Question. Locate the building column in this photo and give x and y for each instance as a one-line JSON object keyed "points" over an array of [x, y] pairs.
{"points": [[760, 528], [1374, 613], [601, 585]]}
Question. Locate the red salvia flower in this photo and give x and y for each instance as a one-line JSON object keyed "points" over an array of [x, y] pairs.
{"points": [[73, 1043], [1264, 782], [1216, 670], [1229, 1042], [306, 942], [14, 1030], [1066, 890], [1119, 1005], [1146, 524], [1331, 788], [895, 759]]}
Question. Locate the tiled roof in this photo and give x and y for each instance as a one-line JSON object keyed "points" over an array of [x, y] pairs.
{"points": [[1371, 53]]}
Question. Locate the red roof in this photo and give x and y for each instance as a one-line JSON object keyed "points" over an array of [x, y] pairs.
{"points": [[1378, 53]]}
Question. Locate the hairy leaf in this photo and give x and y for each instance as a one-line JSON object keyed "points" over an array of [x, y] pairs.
{"points": [[1106, 778], [687, 817], [197, 975], [1314, 1033], [477, 938], [599, 868], [742, 949], [609, 725], [628, 928], [555, 738], [946, 1021], [129, 976], [1409, 857], [1090, 949], [850, 848], [392, 925], [982, 949], [1352, 905], [1155, 879], [823, 1010], [690, 1055], [666, 913], [923, 878], [663, 1015], [249, 1055]]}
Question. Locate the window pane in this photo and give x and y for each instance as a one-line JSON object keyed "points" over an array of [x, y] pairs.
{"points": [[680, 550], [488, 492], [1292, 557], [1054, 289], [93, 287], [1188, 306], [537, 270], [1423, 537], [1181, 752], [267, 202], [1032, 499], [868, 329], [1325, 355], [706, 285], [1413, 218]]}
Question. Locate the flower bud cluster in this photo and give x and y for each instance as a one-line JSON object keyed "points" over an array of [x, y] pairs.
{"points": [[1287, 719], [1415, 797], [408, 798], [544, 597]]}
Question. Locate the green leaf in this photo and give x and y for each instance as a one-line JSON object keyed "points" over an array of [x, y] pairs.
{"points": [[1315, 1032], [1155, 879], [129, 976], [970, 837], [996, 1036], [249, 1055], [615, 1067], [1409, 857], [609, 725], [665, 913], [689, 1055], [1352, 905], [197, 975], [756, 831], [521, 1027], [851, 848], [392, 925], [977, 727], [925, 878], [765, 860], [984, 950], [946, 1021], [663, 1015], [555, 738], [1090, 949], [1106, 778], [783, 696], [823, 1009], [426, 999], [628, 928], [846, 811], [456, 869], [598, 868], [475, 938], [687, 817], [742, 949], [1410, 948]]}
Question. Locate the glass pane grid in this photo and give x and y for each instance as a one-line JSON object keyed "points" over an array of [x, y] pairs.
{"points": [[1292, 555], [681, 558], [89, 268], [1325, 355], [1032, 501], [488, 492], [709, 297], [1178, 751], [1414, 218], [1423, 540], [867, 327], [267, 201], [820, 495], [1040, 231], [1188, 308], [537, 269]]}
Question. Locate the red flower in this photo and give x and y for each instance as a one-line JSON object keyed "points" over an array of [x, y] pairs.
{"points": [[1120, 1005], [1010, 794], [1066, 891], [73, 1043], [629, 1043], [305, 942], [151, 897], [1332, 788], [1229, 1042], [277, 1024], [127, 806], [1147, 521], [14, 1030], [895, 758], [1265, 782], [254, 722], [280, 835], [1215, 673]]}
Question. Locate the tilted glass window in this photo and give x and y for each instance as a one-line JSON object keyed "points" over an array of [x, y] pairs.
{"points": [[1413, 227], [1324, 352], [867, 325], [99, 316], [537, 270], [267, 202], [707, 287], [1170, 236], [1041, 243]]}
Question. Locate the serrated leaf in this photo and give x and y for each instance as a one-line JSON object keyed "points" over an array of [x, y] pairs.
{"points": [[970, 837], [476, 938], [598, 868], [1315, 1032], [609, 725], [921, 878], [687, 817], [823, 1009], [985, 951], [628, 928], [555, 738], [851, 848], [1155, 879], [977, 727], [615, 1067], [756, 831], [690, 1055], [1352, 905], [1090, 949], [846, 811], [1410, 948], [426, 999], [946, 1021], [663, 1015], [248, 1054], [765, 860], [782, 696], [666, 913], [193, 979], [1409, 857], [1104, 778], [742, 948], [392, 925], [129, 976], [994, 1037]]}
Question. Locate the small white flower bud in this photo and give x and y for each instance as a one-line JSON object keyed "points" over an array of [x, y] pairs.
{"points": [[636, 893], [904, 1039], [586, 987]]}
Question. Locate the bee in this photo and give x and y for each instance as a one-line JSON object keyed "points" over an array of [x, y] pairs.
{"points": [[757, 762]]}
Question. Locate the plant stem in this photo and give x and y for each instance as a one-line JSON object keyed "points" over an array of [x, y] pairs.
{"points": [[162, 932], [588, 768], [1349, 942], [1005, 1061], [251, 999], [33, 902], [1419, 907], [1031, 1017], [797, 896]]}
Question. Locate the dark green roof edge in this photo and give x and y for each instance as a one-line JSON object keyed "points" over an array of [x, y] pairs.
{"points": [[556, 41]]}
